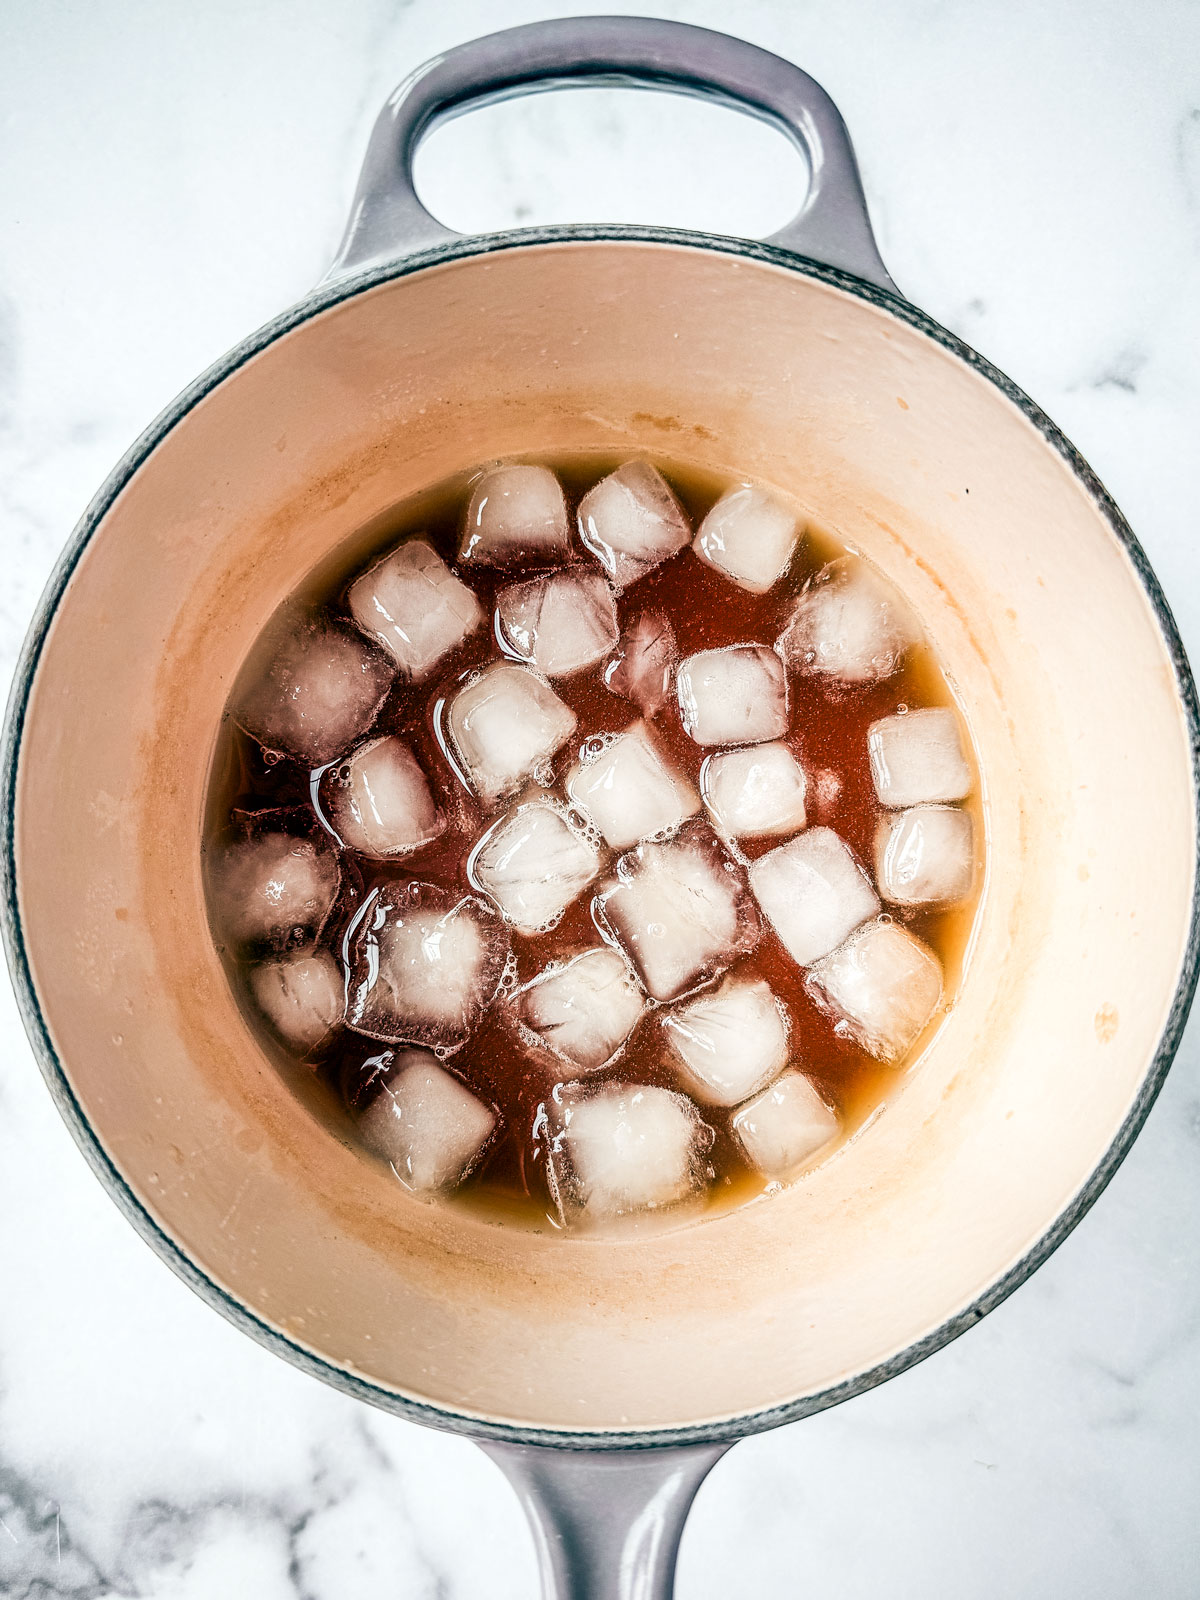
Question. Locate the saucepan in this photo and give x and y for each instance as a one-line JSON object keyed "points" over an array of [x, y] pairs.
{"points": [[607, 1376]]}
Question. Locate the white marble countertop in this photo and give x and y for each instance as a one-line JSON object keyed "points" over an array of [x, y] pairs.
{"points": [[172, 175]]}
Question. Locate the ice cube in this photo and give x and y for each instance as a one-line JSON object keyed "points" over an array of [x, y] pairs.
{"points": [[302, 997], [850, 624], [785, 1127], [275, 889], [415, 606], [379, 801], [625, 1148], [680, 912], [731, 1042], [517, 513], [532, 863], [750, 535], [426, 1124], [925, 856], [422, 965], [584, 1011], [503, 723], [643, 670], [884, 985], [626, 788], [756, 791], [631, 522], [558, 623], [917, 758], [813, 892], [737, 695], [317, 691]]}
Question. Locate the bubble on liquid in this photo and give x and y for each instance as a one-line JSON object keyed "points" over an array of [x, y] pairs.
{"points": [[272, 758], [509, 978], [886, 916], [595, 747], [442, 1051], [902, 710]]}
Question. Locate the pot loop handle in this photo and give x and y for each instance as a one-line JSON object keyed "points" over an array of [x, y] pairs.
{"points": [[388, 222]]}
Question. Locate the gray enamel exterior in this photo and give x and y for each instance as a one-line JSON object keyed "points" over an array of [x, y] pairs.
{"points": [[335, 293], [387, 219]]}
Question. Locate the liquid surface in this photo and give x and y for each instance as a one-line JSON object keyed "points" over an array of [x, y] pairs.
{"points": [[828, 720]]}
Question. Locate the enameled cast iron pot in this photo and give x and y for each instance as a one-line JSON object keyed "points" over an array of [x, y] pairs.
{"points": [[795, 361]]}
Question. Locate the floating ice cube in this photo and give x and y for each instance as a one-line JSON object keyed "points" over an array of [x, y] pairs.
{"points": [[813, 892], [426, 1124], [422, 965], [884, 985], [625, 1148], [925, 856], [584, 1010], [532, 863], [503, 723], [318, 691], [644, 667], [737, 695], [631, 522], [917, 757], [627, 789], [517, 513], [785, 1127], [558, 623], [274, 889], [730, 1042], [756, 791], [415, 606], [379, 801], [749, 535], [680, 911], [302, 997], [850, 624]]}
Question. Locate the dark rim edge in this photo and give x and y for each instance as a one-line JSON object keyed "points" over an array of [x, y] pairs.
{"points": [[326, 297]]}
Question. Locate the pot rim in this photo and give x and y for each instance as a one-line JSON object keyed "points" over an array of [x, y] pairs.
{"points": [[335, 292]]}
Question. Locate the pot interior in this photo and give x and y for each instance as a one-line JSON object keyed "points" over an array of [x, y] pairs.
{"points": [[1051, 645]]}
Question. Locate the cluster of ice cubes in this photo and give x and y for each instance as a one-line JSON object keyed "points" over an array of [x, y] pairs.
{"points": [[563, 814]]}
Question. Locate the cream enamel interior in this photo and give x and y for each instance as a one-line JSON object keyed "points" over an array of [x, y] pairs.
{"points": [[1050, 644]]}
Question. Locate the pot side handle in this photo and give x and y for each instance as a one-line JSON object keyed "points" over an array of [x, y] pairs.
{"points": [[606, 1523], [388, 222]]}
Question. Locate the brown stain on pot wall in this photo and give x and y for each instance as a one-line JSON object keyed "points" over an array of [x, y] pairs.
{"points": [[1106, 1022]]}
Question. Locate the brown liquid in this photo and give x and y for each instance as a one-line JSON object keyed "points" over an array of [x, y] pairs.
{"points": [[828, 733]]}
